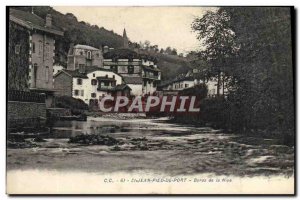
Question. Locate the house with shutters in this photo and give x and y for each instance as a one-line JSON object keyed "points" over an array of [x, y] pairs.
{"points": [[90, 84]]}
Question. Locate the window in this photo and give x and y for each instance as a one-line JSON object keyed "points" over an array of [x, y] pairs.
{"points": [[89, 55], [130, 69], [79, 81], [97, 55], [33, 47], [40, 47], [76, 92], [94, 75], [93, 95], [81, 68], [81, 52], [17, 49], [94, 82], [47, 74], [47, 50], [113, 76], [186, 85], [82, 92]]}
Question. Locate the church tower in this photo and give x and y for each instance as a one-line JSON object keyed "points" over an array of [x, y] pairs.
{"points": [[125, 39]]}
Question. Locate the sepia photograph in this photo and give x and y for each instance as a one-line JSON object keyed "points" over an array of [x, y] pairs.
{"points": [[150, 100]]}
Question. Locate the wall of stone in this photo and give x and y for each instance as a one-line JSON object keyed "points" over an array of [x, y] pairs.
{"points": [[42, 58], [17, 110], [63, 85]]}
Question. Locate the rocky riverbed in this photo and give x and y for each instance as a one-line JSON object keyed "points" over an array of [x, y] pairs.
{"points": [[112, 145]]}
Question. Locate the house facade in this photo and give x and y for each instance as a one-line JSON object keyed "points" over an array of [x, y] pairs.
{"points": [[84, 56], [41, 34], [139, 72], [89, 86], [31, 50], [188, 80]]}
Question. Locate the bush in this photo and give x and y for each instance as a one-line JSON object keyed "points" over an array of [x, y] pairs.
{"points": [[75, 105]]}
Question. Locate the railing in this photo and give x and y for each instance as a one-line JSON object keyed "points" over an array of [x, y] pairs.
{"points": [[122, 63], [16, 95], [150, 76], [105, 88]]}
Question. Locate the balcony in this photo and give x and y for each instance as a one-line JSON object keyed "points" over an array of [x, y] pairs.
{"points": [[105, 88], [120, 63], [150, 76]]}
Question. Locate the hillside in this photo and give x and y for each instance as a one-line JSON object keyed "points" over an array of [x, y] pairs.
{"points": [[79, 32]]}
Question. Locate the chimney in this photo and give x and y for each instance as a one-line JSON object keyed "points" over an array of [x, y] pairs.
{"points": [[48, 20], [105, 49], [71, 49]]}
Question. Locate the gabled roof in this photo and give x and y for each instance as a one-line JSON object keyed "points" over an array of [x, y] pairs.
{"points": [[81, 46], [32, 21], [90, 69], [72, 73], [132, 80], [121, 87], [121, 54], [151, 68]]}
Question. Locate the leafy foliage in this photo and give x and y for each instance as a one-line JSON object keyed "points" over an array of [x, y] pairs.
{"points": [[18, 62], [258, 61]]}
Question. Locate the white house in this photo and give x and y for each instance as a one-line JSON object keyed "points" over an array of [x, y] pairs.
{"points": [[191, 79], [89, 85]]}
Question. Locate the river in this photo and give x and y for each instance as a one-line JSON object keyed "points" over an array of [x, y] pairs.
{"points": [[154, 146]]}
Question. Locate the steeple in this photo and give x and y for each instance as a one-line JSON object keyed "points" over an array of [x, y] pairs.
{"points": [[125, 39]]}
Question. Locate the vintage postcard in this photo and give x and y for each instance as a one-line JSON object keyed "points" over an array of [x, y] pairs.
{"points": [[150, 100]]}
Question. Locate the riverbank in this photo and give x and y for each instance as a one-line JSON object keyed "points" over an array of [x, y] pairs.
{"points": [[156, 145]]}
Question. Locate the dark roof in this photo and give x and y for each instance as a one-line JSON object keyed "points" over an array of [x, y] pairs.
{"points": [[189, 78], [32, 21], [90, 69], [133, 80], [165, 83], [75, 73], [151, 68], [121, 87], [121, 53]]}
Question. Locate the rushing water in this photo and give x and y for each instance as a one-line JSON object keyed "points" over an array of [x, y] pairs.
{"points": [[156, 145]]}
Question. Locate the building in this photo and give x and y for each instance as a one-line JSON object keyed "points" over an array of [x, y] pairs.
{"points": [[89, 85], [31, 52], [139, 72], [84, 56], [57, 68], [188, 80]]}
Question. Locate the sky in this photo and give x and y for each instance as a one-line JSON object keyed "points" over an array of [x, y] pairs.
{"points": [[164, 26]]}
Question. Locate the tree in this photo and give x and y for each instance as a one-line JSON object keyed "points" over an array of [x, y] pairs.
{"points": [[174, 51], [255, 45], [216, 36]]}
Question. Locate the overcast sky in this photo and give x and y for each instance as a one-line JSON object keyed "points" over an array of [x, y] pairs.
{"points": [[164, 26]]}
